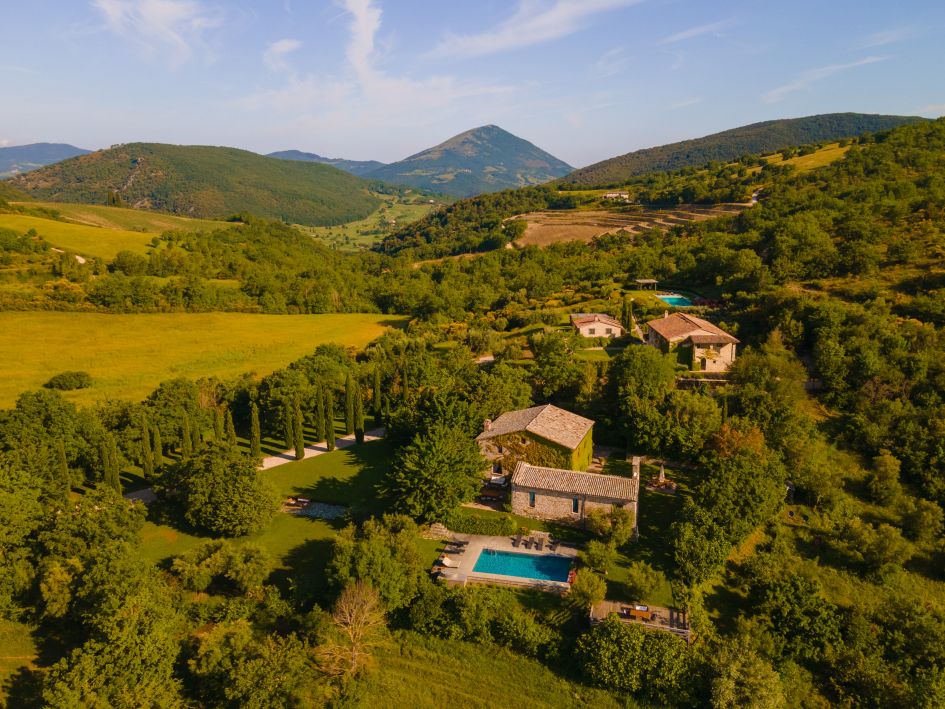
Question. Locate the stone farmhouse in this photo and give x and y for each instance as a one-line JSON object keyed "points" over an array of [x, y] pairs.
{"points": [[568, 495], [596, 325], [540, 435], [699, 344]]}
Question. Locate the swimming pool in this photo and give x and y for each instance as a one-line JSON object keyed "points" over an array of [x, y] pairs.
{"points": [[530, 566], [680, 301]]}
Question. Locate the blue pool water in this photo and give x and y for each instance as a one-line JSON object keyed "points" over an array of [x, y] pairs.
{"points": [[530, 566], [680, 301]]}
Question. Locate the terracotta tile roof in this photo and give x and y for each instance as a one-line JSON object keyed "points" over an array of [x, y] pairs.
{"points": [[578, 319], [679, 326], [572, 482], [549, 422]]}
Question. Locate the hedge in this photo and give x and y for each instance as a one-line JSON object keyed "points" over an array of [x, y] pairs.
{"points": [[466, 522]]}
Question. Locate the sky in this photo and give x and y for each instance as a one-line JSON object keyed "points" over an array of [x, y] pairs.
{"points": [[383, 79]]}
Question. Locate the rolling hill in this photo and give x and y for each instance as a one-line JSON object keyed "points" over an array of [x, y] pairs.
{"points": [[485, 159], [765, 137], [203, 181], [18, 159], [355, 167]]}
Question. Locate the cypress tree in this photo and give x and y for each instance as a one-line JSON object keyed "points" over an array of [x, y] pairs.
{"points": [[287, 426], [386, 409], [349, 404], [405, 383], [228, 427], [196, 435], [298, 433], [186, 440], [330, 421], [255, 445], [147, 451], [377, 393], [158, 447], [319, 415], [217, 425], [109, 455], [62, 466], [358, 418]]}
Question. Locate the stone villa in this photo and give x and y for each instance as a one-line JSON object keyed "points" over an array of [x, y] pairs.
{"points": [[540, 435], [699, 344], [568, 495], [596, 325]]}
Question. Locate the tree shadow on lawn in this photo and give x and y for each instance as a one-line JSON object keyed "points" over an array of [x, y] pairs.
{"points": [[303, 573], [361, 492], [24, 688]]}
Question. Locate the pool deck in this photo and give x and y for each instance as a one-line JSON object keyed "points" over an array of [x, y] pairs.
{"points": [[463, 573]]}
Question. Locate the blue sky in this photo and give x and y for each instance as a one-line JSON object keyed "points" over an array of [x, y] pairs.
{"points": [[382, 79]]}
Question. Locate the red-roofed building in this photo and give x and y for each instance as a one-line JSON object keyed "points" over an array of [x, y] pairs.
{"points": [[700, 345]]}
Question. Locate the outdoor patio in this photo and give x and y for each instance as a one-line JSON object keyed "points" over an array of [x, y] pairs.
{"points": [[671, 620], [463, 573]]}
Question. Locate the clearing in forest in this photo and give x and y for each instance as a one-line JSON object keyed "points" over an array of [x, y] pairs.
{"points": [[125, 218], [552, 226], [128, 355]]}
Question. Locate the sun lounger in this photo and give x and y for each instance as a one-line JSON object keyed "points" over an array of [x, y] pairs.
{"points": [[449, 563], [459, 543], [540, 543], [528, 543], [517, 541], [553, 546]]}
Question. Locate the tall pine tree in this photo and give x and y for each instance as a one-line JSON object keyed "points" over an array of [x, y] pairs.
{"points": [[329, 420], [217, 425], [349, 404], [229, 429], [147, 450], [62, 467], [319, 415], [287, 426], [376, 395], [186, 439], [255, 436], [358, 417], [158, 447], [196, 434], [298, 434]]}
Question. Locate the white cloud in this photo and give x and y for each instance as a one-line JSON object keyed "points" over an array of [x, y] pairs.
{"points": [[365, 95], [275, 55], [881, 39], [610, 63], [814, 75], [532, 23], [173, 28], [692, 32], [684, 103]]}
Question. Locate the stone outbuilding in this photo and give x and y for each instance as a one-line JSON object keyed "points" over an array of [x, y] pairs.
{"points": [[569, 495], [540, 435], [596, 325], [699, 344]]}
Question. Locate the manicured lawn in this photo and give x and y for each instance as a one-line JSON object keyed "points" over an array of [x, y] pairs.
{"points": [[81, 238], [17, 649], [416, 671], [129, 355]]}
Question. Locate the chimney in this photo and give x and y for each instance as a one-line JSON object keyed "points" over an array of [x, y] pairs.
{"points": [[487, 425], [636, 466]]}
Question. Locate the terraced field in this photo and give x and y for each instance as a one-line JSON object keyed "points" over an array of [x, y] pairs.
{"points": [[552, 226], [123, 218]]}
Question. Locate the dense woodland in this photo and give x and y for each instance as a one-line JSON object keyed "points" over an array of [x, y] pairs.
{"points": [[833, 282]]}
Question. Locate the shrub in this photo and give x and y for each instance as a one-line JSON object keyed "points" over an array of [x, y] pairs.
{"points": [[470, 523], [68, 381]]}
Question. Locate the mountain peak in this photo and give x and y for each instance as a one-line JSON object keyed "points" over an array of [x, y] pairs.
{"points": [[483, 159]]}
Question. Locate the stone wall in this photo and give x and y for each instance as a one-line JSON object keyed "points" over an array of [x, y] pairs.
{"points": [[556, 506]]}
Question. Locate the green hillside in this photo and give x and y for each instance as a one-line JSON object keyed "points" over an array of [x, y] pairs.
{"points": [[765, 137], [485, 159], [203, 181]]}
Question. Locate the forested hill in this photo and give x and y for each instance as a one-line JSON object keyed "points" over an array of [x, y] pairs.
{"points": [[757, 138], [485, 159], [203, 181], [15, 159], [355, 167]]}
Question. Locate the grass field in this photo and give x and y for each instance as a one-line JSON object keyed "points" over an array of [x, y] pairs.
{"points": [[417, 671], [363, 233], [81, 238], [131, 219], [17, 649], [128, 355], [802, 163], [552, 226]]}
